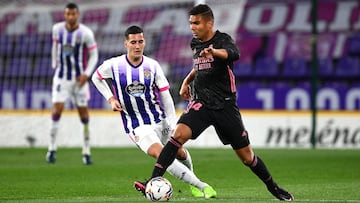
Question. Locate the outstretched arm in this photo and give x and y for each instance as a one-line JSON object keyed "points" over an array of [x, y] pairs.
{"points": [[211, 52]]}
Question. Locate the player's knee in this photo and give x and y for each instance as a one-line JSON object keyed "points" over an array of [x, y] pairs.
{"points": [[154, 150], [55, 116], [182, 133], [251, 161], [84, 120], [247, 162], [181, 154]]}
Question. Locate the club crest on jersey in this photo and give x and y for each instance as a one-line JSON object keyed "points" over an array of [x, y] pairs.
{"points": [[147, 74], [78, 40], [136, 89]]}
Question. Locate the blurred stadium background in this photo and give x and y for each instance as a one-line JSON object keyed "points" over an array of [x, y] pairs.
{"points": [[275, 70]]}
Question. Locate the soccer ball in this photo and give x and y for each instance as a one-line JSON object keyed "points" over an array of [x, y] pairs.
{"points": [[158, 189]]}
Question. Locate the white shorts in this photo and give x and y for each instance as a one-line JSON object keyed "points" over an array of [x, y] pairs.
{"points": [[146, 135], [63, 89]]}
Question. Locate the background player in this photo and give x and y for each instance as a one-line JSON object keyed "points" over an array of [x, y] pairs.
{"points": [[71, 41], [131, 83], [214, 100]]}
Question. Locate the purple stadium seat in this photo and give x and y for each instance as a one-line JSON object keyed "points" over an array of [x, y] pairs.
{"points": [[354, 45], [348, 67], [47, 43], [6, 44], [2, 67], [243, 69], [266, 67], [43, 67], [19, 67], [27, 44], [325, 67], [295, 67]]}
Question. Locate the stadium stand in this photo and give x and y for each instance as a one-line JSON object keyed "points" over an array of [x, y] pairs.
{"points": [[295, 68], [266, 67], [5, 44], [243, 70], [18, 67], [276, 59], [325, 67], [348, 67]]}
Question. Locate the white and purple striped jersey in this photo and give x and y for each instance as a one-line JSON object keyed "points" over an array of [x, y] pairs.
{"points": [[137, 89], [70, 50]]}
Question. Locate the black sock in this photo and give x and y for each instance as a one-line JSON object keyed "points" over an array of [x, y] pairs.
{"points": [[166, 157], [258, 167]]}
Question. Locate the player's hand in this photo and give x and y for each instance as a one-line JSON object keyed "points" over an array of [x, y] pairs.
{"points": [[82, 79], [207, 52], [185, 92], [115, 104]]}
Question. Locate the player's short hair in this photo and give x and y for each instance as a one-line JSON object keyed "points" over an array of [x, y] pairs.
{"points": [[133, 30], [203, 10], [72, 6]]}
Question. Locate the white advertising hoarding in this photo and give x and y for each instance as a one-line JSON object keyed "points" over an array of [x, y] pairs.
{"points": [[267, 129]]}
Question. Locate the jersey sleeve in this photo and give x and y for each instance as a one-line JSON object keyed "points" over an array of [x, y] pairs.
{"points": [[99, 80], [160, 80], [105, 70], [54, 39], [231, 48], [93, 52], [90, 39]]}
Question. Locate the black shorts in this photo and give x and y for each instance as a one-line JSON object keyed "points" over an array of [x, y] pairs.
{"points": [[227, 123]]}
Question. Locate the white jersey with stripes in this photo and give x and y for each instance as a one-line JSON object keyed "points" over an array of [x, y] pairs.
{"points": [[137, 89], [71, 50]]}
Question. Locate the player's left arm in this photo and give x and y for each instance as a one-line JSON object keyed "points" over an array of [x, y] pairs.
{"points": [[230, 48], [93, 58], [229, 51], [165, 96], [168, 105]]}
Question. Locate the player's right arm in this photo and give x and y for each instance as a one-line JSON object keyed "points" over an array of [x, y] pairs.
{"points": [[185, 92], [115, 104], [54, 39], [99, 79]]}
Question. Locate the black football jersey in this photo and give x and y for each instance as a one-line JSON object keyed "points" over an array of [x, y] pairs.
{"points": [[214, 82]]}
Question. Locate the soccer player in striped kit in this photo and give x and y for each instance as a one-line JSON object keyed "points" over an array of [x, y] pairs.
{"points": [[132, 84], [74, 57]]}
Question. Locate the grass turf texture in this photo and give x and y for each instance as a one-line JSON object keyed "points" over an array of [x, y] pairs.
{"points": [[311, 175]]}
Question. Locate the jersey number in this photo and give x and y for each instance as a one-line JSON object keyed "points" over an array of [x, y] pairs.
{"points": [[194, 105]]}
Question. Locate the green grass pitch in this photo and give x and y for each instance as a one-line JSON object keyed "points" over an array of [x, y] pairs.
{"points": [[311, 175]]}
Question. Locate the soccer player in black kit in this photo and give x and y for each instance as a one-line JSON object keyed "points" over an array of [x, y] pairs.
{"points": [[213, 101]]}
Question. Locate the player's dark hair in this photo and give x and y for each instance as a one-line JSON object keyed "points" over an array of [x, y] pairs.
{"points": [[203, 10], [133, 30], [72, 6]]}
